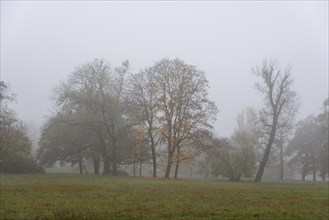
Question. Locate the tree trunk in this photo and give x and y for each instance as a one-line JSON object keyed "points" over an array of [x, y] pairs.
{"points": [[170, 152], [314, 174], [96, 166], [106, 160], [140, 169], [262, 165], [177, 163], [80, 166], [154, 163], [168, 168], [281, 161], [134, 169], [176, 169], [304, 172], [114, 157], [106, 169], [314, 168], [114, 167]]}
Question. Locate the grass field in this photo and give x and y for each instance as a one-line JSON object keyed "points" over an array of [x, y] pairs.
{"points": [[59, 196]]}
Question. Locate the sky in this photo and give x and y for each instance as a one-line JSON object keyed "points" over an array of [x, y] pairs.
{"points": [[43, 41]]}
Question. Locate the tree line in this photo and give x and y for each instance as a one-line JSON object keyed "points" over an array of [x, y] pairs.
{"points": [[163, 113], [110, 115]]}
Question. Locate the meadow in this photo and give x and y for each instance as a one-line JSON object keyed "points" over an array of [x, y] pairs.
{"points": [[65, 196]]}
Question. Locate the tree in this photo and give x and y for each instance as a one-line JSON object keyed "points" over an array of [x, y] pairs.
{"points": [[235, 157], [67, 144], [323, 119], [98, 91], [305, 146], [279, 100], [15, 146], [284, 131], [142, 92], [309, 147], [173, 107], [13, 140], [184, 106]]}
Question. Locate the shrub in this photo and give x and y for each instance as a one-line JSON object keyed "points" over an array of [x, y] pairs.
{"points": [[122, 173], [20, 165]]}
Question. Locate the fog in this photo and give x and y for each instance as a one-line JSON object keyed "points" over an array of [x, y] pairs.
{"points": [[43, 42]]}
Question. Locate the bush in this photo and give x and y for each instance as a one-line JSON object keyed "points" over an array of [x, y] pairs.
{"points": [[20, 165], [122, 173]]}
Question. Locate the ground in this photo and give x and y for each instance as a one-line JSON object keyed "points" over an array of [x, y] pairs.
{"points": [[64, 196]]}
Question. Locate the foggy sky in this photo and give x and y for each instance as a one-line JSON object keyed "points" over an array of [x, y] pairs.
{"points": [[42, 42]]}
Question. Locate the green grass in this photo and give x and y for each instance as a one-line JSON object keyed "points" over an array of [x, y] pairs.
{"points": [[60, 196]]}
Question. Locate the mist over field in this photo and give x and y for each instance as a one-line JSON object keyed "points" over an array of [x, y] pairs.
{"points": [[189, 96], [43, 42]]}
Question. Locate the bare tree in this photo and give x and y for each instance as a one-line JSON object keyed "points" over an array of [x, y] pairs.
{"points": [[99, 91], [184, 105], [142, 92], [279, 100], [173, 107]]}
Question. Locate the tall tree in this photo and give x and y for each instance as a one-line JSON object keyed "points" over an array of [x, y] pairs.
{"points": [[99, 91], [15, 146], [142, 92], [323, 119], [184, 104], [279, 100], [308, 148], [304, 147]]}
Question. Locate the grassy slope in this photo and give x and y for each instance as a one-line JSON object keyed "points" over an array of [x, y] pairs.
{"points": [[54, 196]]}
